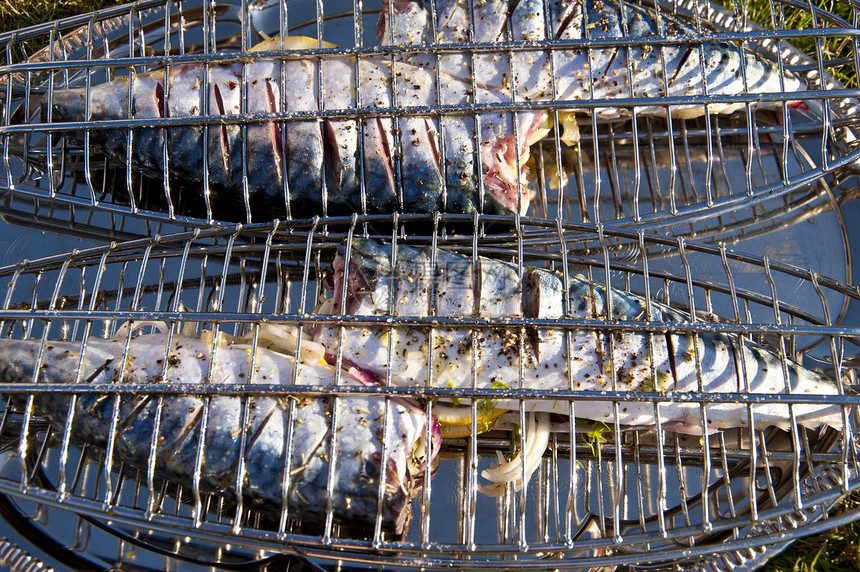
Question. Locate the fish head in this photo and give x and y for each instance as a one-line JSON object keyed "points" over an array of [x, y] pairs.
{"points": [[504, 158]]}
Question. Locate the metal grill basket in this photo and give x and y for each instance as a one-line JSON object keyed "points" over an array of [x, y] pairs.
{"points": [[778, 151], [605, 499], [735, 220]]}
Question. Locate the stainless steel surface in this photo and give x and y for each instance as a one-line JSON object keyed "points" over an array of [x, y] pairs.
{"points": [[18, 560], [747, 218], [628, 498]]}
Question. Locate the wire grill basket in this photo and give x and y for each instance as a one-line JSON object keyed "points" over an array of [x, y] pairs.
{"points": [[599, 499], [778, 151], [634, 200]]}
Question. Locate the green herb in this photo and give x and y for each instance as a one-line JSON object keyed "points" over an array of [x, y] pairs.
{"points": [[837, 550], [456, 400], [596, 435]]}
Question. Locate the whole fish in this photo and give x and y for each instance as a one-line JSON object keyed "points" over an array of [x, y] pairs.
{"points": [[548, 359], [366, 428], [305, 167], [358, 160]]}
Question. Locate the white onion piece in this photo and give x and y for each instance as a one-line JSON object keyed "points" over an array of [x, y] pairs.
{"points": [[452, 415], [206, 336], [281, 339], [130, 327], [326, 306], [537, 438], [284, 339]]}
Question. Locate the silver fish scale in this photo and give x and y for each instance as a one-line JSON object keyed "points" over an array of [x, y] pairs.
{"points": [[663, 189], [604, 494]]}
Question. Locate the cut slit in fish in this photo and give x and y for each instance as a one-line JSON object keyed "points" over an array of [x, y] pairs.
{"points": [[392, 160], [375, 428]]}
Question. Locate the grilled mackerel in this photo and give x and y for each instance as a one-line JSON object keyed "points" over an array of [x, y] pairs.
{"points": [[549, 359], [250, 435], [319, 134]]}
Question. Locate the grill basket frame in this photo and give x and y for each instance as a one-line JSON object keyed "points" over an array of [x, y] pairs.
{"points": [[825, 465]]}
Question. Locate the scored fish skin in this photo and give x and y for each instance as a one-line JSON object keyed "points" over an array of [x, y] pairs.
{"points": [[320, 164], [491, 357], [722, 62], [358, 448], [379, 163], [505, 137], [600, 73]]}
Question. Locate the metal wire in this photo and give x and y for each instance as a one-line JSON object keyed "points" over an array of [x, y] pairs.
{"points": [[611, 500], [17, 559], [653, 173], [642, 204]]}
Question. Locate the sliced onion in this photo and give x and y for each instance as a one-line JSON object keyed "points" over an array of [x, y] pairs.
{"points": [[421, 458], [455, 431], [537, 438], [540, 132], [452, 415], [569, 127], [461, 418], [325, 307], [276, 43], [284, 339], [223, 338], [130, 327]]}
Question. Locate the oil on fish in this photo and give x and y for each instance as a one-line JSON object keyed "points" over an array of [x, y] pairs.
{"points": [[254, 433]]}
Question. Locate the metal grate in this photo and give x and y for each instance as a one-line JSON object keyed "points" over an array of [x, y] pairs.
{"points": [[657, 171], [610, 498], [647, 201]]}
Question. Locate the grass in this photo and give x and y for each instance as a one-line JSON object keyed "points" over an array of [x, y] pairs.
{"points": [[835, 551], [16, 14], [772, 15], [837, 49]]}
